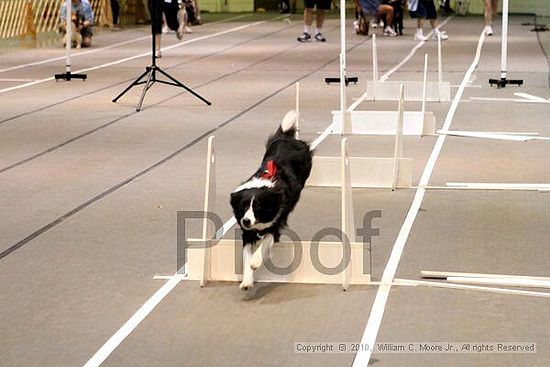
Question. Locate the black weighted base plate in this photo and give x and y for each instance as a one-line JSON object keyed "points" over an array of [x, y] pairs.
{"points": [[68, 76], [351, 79], [502, 82]]}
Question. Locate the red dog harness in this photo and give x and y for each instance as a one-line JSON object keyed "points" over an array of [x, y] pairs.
{"points": [[270, 170]]}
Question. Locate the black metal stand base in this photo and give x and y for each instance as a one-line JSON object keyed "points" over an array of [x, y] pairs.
{"points": [[351, 79], [503, 82], [149, 77], [68, 76]]}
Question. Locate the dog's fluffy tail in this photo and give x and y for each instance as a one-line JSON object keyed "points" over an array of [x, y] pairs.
{"points": [[288, 125]]}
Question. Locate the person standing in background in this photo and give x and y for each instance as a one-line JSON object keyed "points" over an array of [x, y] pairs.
{"points": [[321, 5], [421, 10], [175, 19], [491, 8], [115, 11]]}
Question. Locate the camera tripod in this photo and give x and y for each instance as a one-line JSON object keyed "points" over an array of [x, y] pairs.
{"points": [[149, 77]]}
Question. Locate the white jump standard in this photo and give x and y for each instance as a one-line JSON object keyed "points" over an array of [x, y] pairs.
{"points": [[368, 172], [415, 123], [378, 90]]}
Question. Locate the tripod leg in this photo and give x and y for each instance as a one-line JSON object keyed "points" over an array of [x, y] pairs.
{"points": [[134, 83], [184, 87], [146, 87]]}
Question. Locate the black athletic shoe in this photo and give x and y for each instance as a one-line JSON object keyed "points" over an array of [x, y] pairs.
{"points": [[319, 38], [304, 37]]}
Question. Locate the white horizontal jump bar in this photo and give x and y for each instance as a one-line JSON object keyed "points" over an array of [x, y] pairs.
{"points": [[513, 282], [495, 99], [415, 123], [487, 135], [445, 274], [498, 186], [466, 287]]}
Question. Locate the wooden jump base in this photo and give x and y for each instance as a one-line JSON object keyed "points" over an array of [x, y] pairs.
{"points": [[221, 260], [377, 90], [367, 172]]}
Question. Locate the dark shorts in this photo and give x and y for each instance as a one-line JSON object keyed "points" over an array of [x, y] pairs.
{"points": [[320, 4], [425, 10], [170, 11], [370, 7]]}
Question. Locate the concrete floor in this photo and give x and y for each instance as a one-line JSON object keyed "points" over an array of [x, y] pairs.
{"points": [[89, 192]]}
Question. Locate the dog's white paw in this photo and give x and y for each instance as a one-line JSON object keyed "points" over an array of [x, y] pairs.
{"points": [[256, 260], [247, 284]]}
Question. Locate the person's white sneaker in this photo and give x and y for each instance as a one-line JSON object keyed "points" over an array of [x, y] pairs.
{"points": [[444, 36], [488, 30], [420, 37], [389, 32]]}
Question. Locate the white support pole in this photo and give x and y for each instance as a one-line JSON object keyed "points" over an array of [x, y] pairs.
{"points": [[398, 151], [504, 46], [439, 66], [343, 102], [209, 203], [374, 65], [424, 84], [68, 36], [348, 224], [297, 110]]}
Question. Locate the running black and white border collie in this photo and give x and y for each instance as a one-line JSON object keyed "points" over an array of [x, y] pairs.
{"points": [[262, 203]]}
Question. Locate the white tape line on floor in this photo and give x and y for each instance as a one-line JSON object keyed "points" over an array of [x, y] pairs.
{"points": [[135, 56], [95, 50], [114, 341], [362, 358]]}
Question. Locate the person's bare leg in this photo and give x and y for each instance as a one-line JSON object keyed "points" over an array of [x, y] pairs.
{"points": [[488, 12], [419, 23], [320, 19], [308, 17], [433, 23], [419, 36], [308, 20], [386, 10], [491, 7], [157, 44]]}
